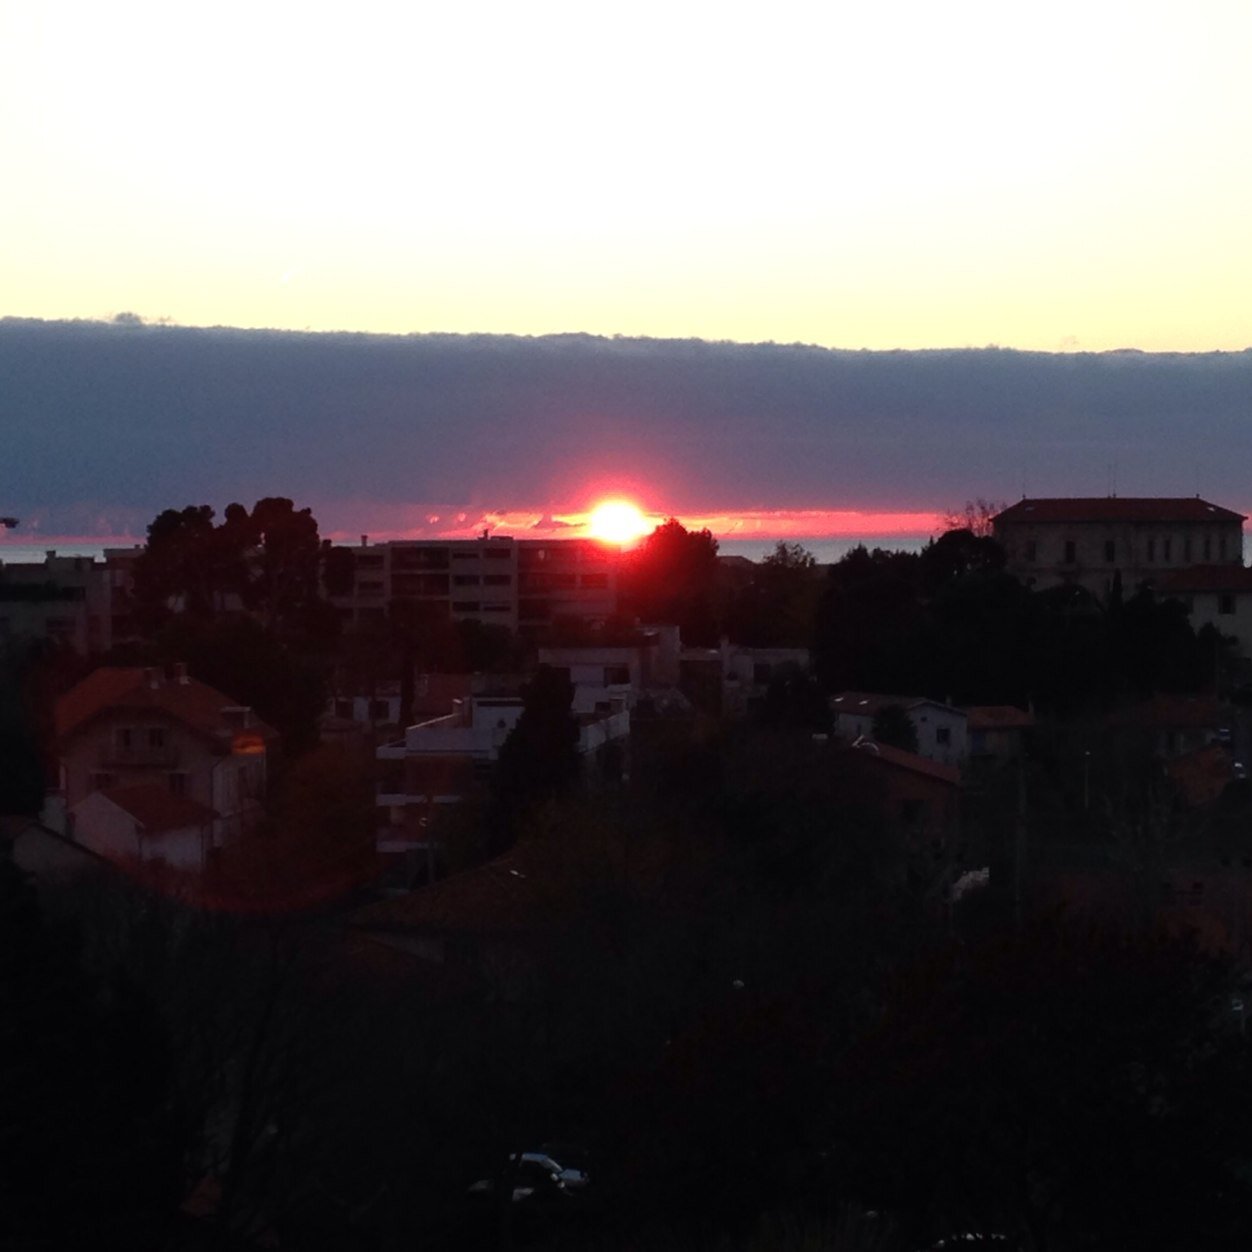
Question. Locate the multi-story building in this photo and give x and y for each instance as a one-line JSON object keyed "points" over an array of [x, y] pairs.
{"points": [[1089, 542], [75, 600], [522, 584]]}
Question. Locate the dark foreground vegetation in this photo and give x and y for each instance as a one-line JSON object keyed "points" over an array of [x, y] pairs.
{"points": [[730, 986]]}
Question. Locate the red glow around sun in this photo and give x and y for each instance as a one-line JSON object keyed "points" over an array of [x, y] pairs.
{"points": [[617, 521]]}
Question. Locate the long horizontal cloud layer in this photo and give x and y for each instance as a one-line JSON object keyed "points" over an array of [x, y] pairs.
{"points": [[106, 424]]}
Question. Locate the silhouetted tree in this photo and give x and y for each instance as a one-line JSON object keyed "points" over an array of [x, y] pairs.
{"points": [[539, 759], [1071, 1087], [92, 1146], [671, 577], [777, 607], [893, 726]]}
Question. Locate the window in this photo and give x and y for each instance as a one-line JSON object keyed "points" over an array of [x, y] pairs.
{"points": [[123, 737], [465, 606], [378, 710], [156, 736], [343, 708], [465, 580], [1226, 604], [943, 734], [616, 675], [1110, 551], [500, 554], [1167, 548], [100, 780], [1221, 547], [1186, 549], [1032, 551], [1208, 547], [1151, 551], [178, 782], [497, 580], [1071, 552]]}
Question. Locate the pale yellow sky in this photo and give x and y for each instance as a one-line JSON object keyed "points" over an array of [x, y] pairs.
{"points": [[1069, 175]]}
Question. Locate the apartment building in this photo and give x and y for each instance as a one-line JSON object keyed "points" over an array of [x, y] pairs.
{"points": [[523, 584], [1089, 542]]}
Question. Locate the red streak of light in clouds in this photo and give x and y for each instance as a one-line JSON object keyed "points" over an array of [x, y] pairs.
{"points": [[763, 524]]}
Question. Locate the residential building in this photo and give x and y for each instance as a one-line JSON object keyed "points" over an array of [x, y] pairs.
{"points": [[525, 585], [448, 759], [942, 730], [1089, 542], [123, 729], [620, 671], [1215, 595], [145, 825], [997, 731]]}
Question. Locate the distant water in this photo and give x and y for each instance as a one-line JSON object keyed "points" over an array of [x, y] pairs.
{"points": [[825, 551]]}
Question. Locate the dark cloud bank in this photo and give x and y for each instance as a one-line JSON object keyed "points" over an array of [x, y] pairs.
{"points": [[105, 424]]}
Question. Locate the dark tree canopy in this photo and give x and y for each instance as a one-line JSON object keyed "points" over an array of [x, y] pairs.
{"points": [[539, 759], [672, 577]]}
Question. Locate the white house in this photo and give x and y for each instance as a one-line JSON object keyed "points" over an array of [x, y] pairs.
{"points": [[942, 731]]}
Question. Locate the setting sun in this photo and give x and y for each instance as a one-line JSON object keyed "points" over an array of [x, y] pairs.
{"points": [[617, 521]]}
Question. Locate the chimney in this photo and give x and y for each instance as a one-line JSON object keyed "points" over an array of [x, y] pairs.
{"points": [[180, 673], [365, 541]]}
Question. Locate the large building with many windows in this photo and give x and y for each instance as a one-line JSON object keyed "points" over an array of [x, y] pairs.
{"points": [[523, 584], [1089, 542]]}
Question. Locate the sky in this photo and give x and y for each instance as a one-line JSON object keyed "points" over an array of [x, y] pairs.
{"points": [[106, 424], [1065, 177]]}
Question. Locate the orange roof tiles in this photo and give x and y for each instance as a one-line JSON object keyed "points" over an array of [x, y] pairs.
{"points": [[898, 758], [157, 810], [187, 700], [997, 717]]}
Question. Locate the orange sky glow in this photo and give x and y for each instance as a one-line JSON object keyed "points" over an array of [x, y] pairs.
{"points": [[756, 524]]}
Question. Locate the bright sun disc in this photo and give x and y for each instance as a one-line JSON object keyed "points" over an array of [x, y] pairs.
{"points": [[617, 521]]}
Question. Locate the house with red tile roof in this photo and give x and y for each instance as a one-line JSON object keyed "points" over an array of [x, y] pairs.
{"points": [[168, 752], [997, 731], [942, 730], [914, 799], [144, 824], [1090, 541]]}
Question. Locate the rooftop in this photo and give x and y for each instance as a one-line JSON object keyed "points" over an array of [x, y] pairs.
{"points": [[156, 809], [137, 689], [1117, 509]]}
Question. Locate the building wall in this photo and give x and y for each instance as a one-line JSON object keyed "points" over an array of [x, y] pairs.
{"points": [[96, 759], [1090, 553], [522, 584], [942, 732], [1228, 612], [109, 830]]}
